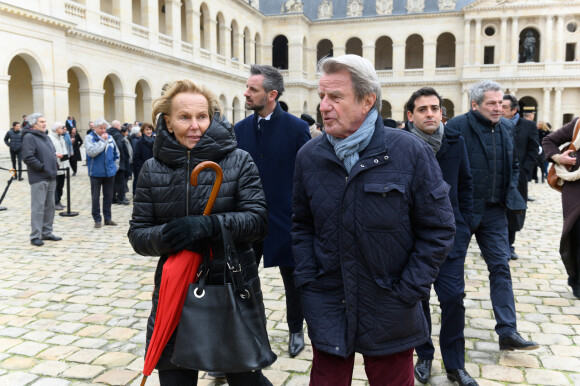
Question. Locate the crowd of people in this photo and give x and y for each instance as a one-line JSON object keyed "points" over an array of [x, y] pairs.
{"points": [[362, 215]]}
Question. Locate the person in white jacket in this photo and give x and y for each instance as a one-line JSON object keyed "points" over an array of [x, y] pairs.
{"points": [[56, 136]]}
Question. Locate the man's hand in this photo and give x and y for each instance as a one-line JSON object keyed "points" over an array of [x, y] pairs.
{"points": [[105, 136], [58, 155]]}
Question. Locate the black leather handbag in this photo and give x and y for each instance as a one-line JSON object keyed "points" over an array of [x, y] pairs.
{"points": [[222, 327]]}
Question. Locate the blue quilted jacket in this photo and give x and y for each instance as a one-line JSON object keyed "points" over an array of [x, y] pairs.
{"points": [[368, 244]]}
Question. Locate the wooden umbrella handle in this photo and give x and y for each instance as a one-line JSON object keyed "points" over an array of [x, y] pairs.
{"points": [[219, 176]]}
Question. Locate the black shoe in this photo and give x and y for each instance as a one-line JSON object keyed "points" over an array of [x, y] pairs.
{"points": [[514, 256], [51, 237], [124, 202], [97, 224], [532, 199], [215, 374], [37, 242], [20, 179], [516, 342], [423, 370], [575, 284], [462, 377], [74, 174], [110, 222], [295, 343]]}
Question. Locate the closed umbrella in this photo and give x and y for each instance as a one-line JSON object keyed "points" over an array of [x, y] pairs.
{"points": [[178, 272]]}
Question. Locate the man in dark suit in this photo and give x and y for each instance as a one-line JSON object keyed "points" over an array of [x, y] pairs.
{"points": [[273, 137], [526, 144]]}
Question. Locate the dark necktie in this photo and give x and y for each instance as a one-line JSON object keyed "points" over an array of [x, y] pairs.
{"points": [[261, 125]]}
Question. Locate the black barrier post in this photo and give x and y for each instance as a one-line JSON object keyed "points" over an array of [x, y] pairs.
{"points": [[68, 213], [6, 190]]}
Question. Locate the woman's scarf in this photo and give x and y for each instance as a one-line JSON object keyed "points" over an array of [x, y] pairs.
{"points": [[432, 139], [561, 170], [347, 149]]}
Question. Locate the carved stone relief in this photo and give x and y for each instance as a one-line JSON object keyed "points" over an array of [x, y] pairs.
{"points": [[292, 6], [415, 6], [354, 8], [384, 7], [447, 5], [325, 9]]}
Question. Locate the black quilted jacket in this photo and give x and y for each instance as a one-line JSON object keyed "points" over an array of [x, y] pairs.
{"points": [[164, 193], [368, 244]]}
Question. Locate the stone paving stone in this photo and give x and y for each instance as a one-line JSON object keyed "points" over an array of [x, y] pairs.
{"points": [[120, 333], [85, 355], [16, 378], [91, 343], [13, 332], [560, 363], [51, 382], [28, 348], [502, 373], [117, 377], [62, 340], [519, 360], [546, 377], [57, 352], [112, 359], [49, 368], [18, 363], [83, 372]]}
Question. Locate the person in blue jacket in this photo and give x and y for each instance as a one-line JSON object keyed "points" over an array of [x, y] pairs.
{"points": [[425, 121], [102, 165], [273, 137], [495, 170], [372, 223]]}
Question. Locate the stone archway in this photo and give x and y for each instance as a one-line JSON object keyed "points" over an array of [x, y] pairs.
{"points": [[23, 97]]}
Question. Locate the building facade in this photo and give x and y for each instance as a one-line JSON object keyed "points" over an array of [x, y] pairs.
{"points": [[112, 58]]}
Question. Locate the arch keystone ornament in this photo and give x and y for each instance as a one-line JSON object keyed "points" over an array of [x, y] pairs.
{"points": [[384, 7], [415, 6], [354, 8], [325, 9]]}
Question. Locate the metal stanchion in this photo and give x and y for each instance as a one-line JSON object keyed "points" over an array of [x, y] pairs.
{"points": [[13, 171], [68, 213]]}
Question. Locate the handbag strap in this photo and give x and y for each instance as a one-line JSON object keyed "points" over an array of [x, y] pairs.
{"points": [[231, 260]]}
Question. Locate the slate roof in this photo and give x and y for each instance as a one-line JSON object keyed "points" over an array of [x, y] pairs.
{"points": [[273, 7]]}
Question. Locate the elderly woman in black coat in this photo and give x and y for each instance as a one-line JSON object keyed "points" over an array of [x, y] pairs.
{"points": [[167, 213]]}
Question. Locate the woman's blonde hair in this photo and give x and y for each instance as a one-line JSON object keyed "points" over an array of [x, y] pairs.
{"points": [[162, 105], [543, 126]]}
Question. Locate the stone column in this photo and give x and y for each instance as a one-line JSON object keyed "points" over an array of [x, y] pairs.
{"points": [[295, 52], [125, 103], [398, 59], [557, 118], [250, 50], [93, 16], [338, 51], [465, 102], [94, 100], [239, 43], [227, 43], [429, 58], [546, 110], [515, 41], [151, 21], [560, 40], [123, 9], [192, 31], [173, 19], [60, 101], [211, 29], [477, 43], [41, 91], [466, 40], [369, 52], [547, 40], [147, 108], [5, 106], [503, 40]]}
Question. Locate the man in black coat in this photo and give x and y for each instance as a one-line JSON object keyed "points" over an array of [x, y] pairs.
{"points": [[125, 165], [13, 139], [273, 138], [495, 171], [526, 144], [424, 112]]}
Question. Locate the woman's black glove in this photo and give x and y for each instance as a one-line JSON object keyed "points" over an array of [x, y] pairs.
{"points": [[182, 232]]}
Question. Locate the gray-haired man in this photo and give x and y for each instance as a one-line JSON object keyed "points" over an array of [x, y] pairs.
{"points": [[495, 170], [39, 156]]}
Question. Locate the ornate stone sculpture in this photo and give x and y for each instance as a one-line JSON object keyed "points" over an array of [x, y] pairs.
{"points": [[415, 6], [447, 5], [325, 9], [292, 6], [354, 8], [384, 7]]}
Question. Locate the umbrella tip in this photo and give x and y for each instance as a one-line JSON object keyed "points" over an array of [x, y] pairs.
{"points": [[143, 380]]}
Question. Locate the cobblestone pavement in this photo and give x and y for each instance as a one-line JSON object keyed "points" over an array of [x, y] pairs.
{"points": [[73, 312]]}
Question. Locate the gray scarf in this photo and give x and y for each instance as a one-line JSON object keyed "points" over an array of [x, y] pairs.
{"points": [[347, 149], [432, 139]]}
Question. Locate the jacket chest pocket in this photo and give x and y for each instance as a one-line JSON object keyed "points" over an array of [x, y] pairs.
{"points": [[383, 206]]}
